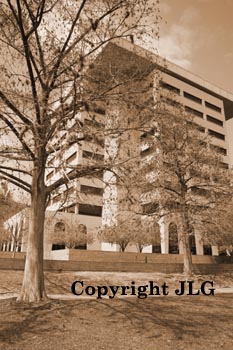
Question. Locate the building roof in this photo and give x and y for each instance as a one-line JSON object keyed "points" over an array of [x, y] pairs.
{"points": [[155, 61]]}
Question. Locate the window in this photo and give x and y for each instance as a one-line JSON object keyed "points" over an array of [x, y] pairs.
{"points": [[50, 175], [57, 198], [58, 246], [148, 133], [99, 174], [156, 248], [171, 102], [92, 210], [192, 97], [59, 227], [197, 126], [99, 110], [214, 120], [192, 244], [199, 191], [221, 150], [169, 87], [201, 129], [212, 106], [93, 156], [216, 134], [51, 160], [71, 157], [59, 231], [224, 165], [62, 138], [150, 208], [207, 249], [91, 190], [173, 239], [71, 209], [93, 123], [194, 111], [95, 139], [147, 151]]}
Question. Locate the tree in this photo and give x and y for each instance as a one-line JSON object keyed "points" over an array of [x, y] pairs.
{"points": [[185, 177], [48, 51], [119, 234], [219, 226], [146, 234], [8, 207], [131, 230], [71, 237]]}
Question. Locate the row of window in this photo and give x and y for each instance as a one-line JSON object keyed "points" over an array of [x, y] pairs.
{"points": [[201, 115], [216, 134], [93, 156], [72, 157], [91, 190], [93, 123], [199, 101], [147, 151], [189, 96], [194, 112], [85, 209], [83, 189]]}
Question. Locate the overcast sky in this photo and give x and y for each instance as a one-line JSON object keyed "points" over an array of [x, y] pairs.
{"points": [[198, 35]]}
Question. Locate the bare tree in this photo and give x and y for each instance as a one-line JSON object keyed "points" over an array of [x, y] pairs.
{"points": [[71, 237], [133, 230], [120, 234], [184, 176], [48, 74]]}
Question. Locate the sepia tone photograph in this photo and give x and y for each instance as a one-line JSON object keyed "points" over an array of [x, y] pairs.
{"points": [[116, 174]]}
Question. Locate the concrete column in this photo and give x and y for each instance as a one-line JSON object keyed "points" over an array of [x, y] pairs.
{"points": [[215, 250], [164, 237], [199, 244]]}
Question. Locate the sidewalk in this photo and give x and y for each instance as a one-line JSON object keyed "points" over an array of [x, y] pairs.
{"points": [[70, 296]]}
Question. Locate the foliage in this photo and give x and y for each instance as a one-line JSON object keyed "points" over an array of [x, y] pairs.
{"points": [[8, 206], [49, 73], [185, 176], [71, 237], [131, 231]]}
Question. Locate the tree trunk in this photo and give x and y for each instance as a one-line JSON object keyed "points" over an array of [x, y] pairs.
{"points": [[33, 282], [188, 265]]}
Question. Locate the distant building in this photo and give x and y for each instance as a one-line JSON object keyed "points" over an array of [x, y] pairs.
{"points": [[55, 226]]}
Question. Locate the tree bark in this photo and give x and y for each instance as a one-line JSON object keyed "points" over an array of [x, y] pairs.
{"points": [[188, 265], [33, 289]]}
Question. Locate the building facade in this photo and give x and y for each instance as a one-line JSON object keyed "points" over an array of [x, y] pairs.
{"points": [[212, 109], [94, 199]]}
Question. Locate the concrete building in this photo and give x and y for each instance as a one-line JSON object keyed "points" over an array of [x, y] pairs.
{"points": [[86, 198], [82, 197], [212, 108]]}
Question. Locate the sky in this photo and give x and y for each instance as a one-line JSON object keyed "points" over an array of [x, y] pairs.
{"points": [[198, 36]]}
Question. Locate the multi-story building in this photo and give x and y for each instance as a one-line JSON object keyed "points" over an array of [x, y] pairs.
{"points": [[87, 197], [82, 196], [212, 109]]}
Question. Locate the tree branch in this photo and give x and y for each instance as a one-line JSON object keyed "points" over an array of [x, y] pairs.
{"points": [[16, 180], [15, 169], [17, 134], [14, 109]]}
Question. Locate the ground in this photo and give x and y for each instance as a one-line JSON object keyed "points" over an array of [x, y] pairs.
{"points": [[157, 322]]}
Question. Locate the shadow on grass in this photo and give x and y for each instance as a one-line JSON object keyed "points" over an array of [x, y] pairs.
{"points": [[179, 318], [19, 321]]}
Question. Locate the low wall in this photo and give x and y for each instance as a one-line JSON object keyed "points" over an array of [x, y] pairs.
{"points": [[126, 257], [10, 255], [123, 262]]}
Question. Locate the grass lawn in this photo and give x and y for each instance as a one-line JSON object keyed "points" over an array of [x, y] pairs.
{"points": [[157, 322]]}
